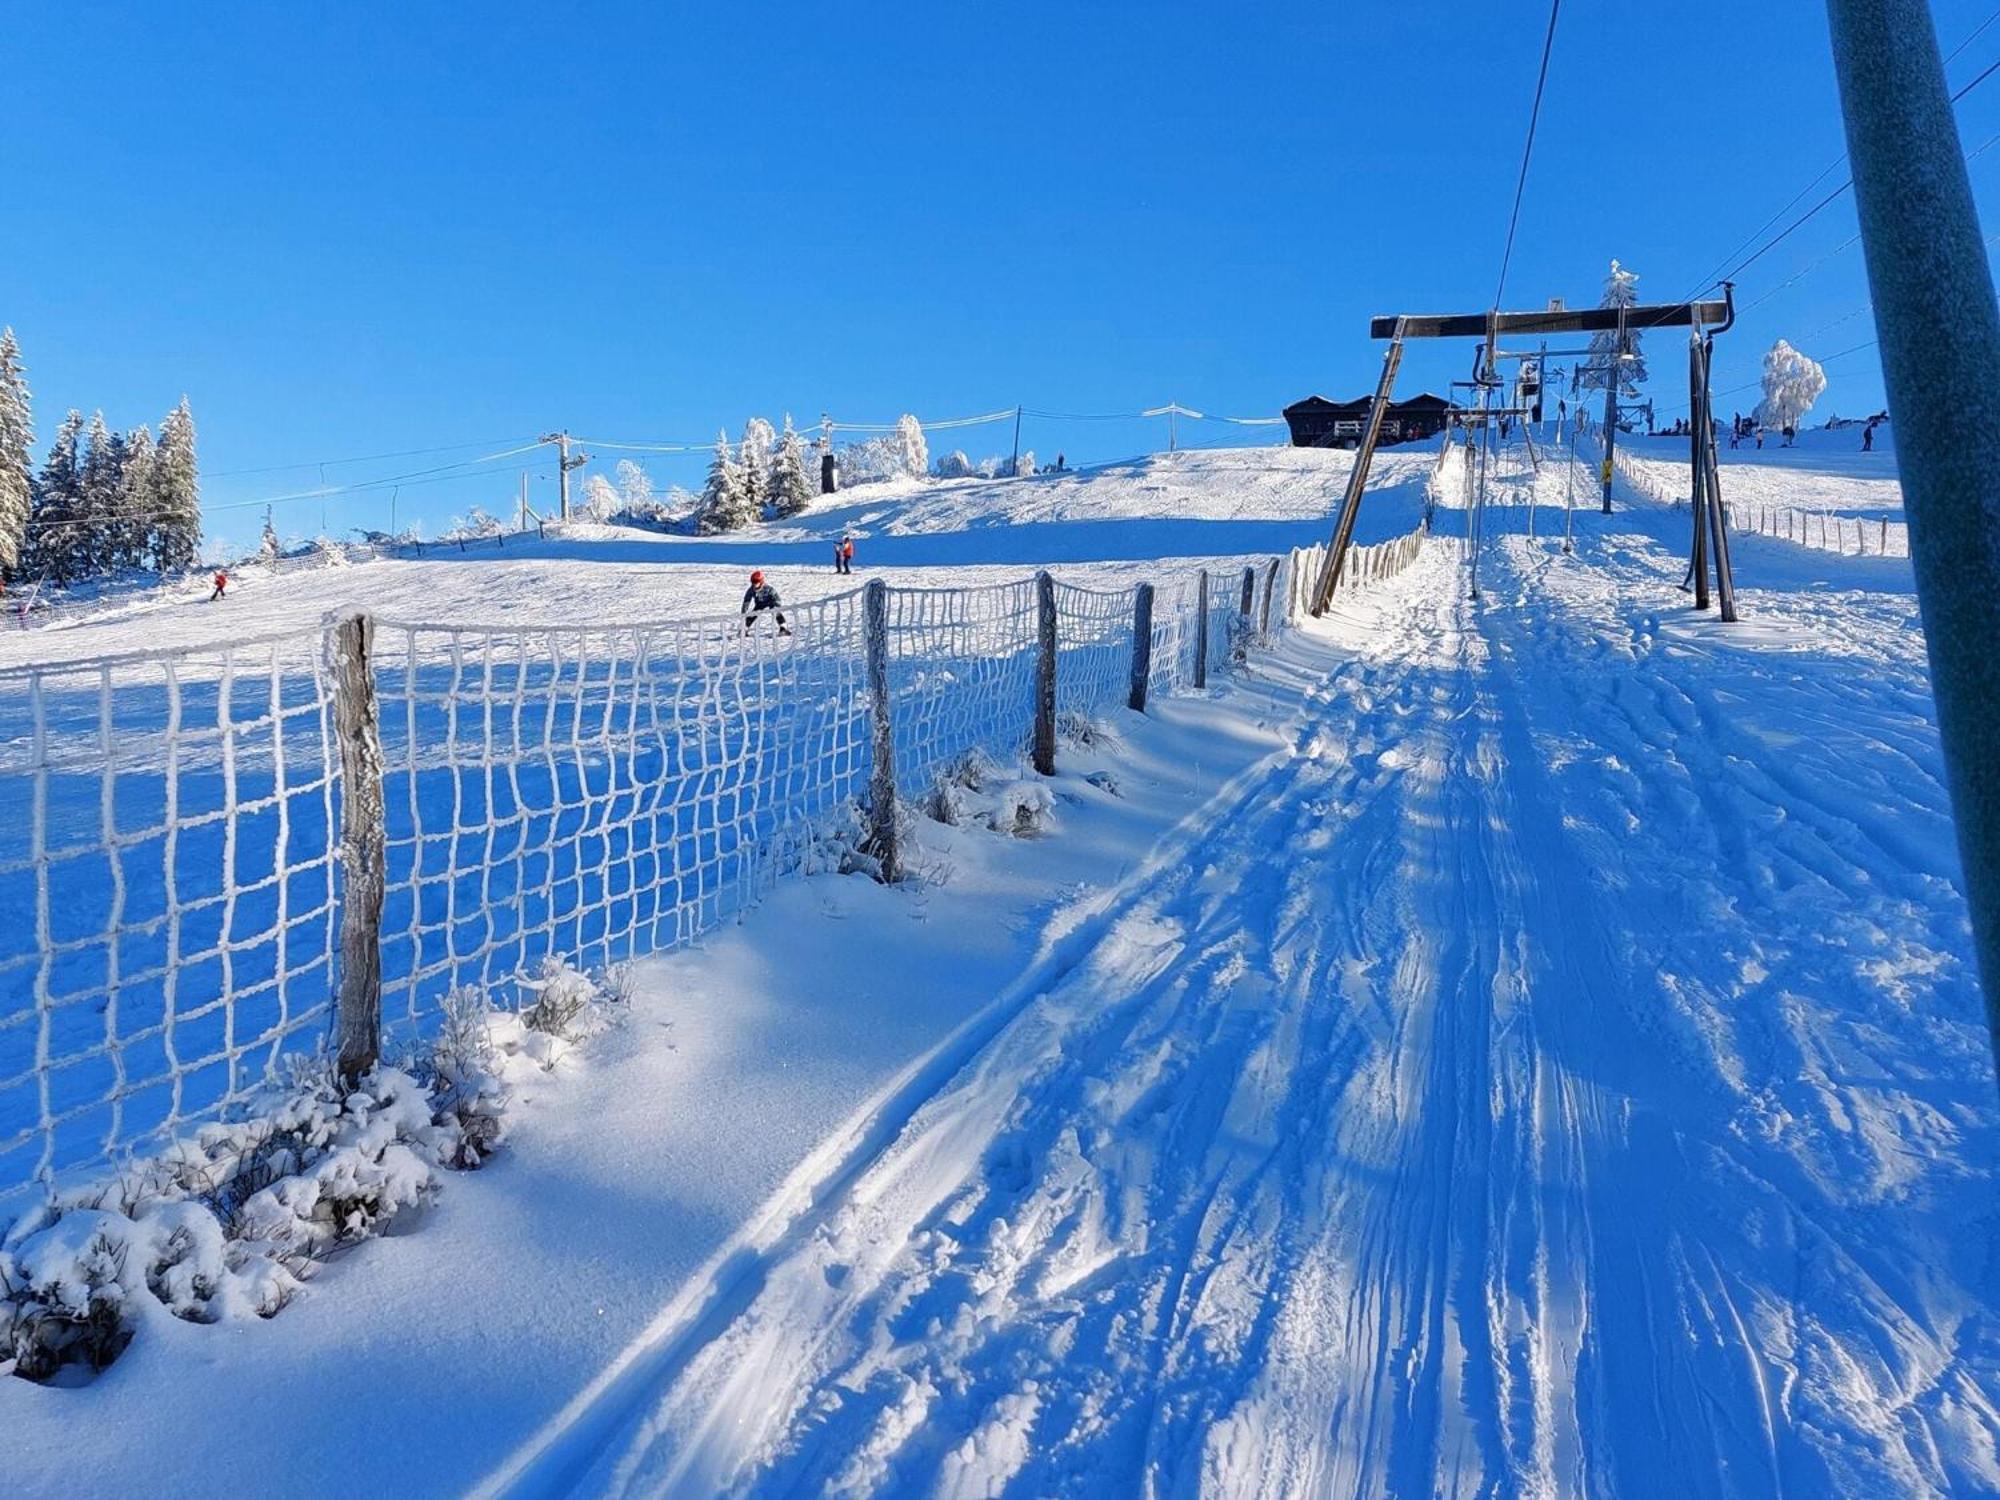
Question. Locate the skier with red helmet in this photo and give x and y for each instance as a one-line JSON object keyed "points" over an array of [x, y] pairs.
{"points": [[759, 597]]}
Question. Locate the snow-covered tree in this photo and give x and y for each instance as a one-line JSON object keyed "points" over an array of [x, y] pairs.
{"points": [[1791, 384], [269, 548], [54, 549], [17, 460], [176, 528], [635, 488], [725, 504], [912, 452], [135, 496], [600, 499], [954, 465], [791, 492], [754, 462], [475, 525], [1621, 289], [103, 464], [1024, 466]]}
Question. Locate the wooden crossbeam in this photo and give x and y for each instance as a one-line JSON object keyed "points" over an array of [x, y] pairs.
{"points": [[1570, 320]]}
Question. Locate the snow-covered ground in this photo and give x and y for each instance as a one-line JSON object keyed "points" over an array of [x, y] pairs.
{"points": [[1103, 525], [1516, 1047]]}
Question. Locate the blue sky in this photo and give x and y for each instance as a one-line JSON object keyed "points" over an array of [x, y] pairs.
{"points": [[347, 231]]}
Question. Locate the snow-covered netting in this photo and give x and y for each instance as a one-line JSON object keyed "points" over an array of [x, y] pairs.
{"points": [[169, 882], [167, 899], [596, 793]]}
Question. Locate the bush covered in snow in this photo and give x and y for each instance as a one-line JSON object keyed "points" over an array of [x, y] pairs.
{"points": [[979, 792], [475, 525], [954, 465], [227, 1223]]}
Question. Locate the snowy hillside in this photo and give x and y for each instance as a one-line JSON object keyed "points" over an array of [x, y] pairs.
{"points": [[1107, 522], [1516, 1047]]}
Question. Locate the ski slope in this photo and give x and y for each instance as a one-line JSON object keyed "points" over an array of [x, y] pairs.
{"points": [[1106, 526], [1560, 1075], [1523, 1047]]}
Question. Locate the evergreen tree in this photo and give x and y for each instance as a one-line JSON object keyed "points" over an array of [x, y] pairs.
{"points": [[52, 551], [17, 462], [725, 506], [755, 463], [913, 454], [269, 548], [791, 494], [1621, 289], [99, 548], [135, 497], [176, 526]]}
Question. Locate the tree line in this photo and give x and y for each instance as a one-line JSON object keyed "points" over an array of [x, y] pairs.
{"points": [[103, 501]]}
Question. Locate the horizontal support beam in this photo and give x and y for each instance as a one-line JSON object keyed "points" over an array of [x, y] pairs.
{"points": [[1572, 320]]}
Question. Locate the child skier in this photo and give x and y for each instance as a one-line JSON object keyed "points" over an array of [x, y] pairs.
{"points": [[761, 596]]}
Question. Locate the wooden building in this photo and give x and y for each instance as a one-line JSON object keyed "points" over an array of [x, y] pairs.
{"points": [[1319, 423]]}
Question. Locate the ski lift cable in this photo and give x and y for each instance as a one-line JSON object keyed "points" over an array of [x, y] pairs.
{"points": [[1771, 244], [1527, 150]]}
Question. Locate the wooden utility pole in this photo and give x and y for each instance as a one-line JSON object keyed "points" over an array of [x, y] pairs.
{"points": [[1940, 335], [1014, 468], [1357, 477]]}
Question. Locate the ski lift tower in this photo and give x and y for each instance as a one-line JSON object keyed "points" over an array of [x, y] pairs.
{"points": [[1489, 326]]}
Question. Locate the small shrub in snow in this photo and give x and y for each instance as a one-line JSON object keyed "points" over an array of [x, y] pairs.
{"points": [[979, 792], [1081, 729], [227, 1222]]}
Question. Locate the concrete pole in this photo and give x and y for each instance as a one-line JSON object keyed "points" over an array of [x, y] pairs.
{"points": [[1940, 336]]}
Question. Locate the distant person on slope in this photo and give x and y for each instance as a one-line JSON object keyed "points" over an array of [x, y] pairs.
{"points": [[758, 598], [221, 585], [846, 553]]}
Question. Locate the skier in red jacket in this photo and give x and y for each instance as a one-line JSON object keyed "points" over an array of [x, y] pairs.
{"points": [[221, 585]]}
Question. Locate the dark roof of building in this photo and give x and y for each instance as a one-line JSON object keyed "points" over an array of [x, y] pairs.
{"points": [[1424, 401]]}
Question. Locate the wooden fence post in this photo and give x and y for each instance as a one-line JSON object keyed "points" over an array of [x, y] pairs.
{"points": [[1142, 646], [1201, 631], [1270, 588], [1249, 595], [882, 771], [357, 1014], [1045, 675]]}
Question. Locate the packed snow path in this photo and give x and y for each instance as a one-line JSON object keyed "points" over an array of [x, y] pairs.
{"points": [[1560, 1076]]}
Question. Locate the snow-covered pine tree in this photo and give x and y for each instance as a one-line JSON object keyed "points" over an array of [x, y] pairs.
{"points": [[1621, 289], [102, 546], [176, 528], [724, 504], [791, 491], [135, 496], [754, 462], [52, 550], [1791, 384], [913, 454], [269, 548], [17, 457]]}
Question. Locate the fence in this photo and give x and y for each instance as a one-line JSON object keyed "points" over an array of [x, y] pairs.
{"points": [[201, 836], [1823, 530]]}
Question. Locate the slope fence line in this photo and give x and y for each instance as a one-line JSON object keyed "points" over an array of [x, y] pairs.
{"points": [[173, 888]]}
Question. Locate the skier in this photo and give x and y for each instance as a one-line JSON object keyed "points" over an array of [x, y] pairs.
{"points": [[760, 596], [221, 585], [846, 550], [1868, 438]]}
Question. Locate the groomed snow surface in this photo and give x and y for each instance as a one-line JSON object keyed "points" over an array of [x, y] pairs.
{"points": [[1515, 1047]]}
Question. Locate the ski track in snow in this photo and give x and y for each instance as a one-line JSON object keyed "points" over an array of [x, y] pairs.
{"points": [[1561, 1077]]}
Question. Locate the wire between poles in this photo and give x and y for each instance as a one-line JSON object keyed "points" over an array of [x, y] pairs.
{"points": [[1528, 150]]}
